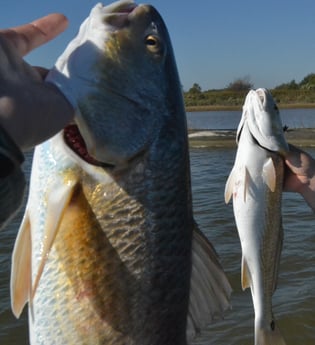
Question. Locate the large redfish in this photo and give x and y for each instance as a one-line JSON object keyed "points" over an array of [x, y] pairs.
{"points": [[108, 252], [256, 183]]}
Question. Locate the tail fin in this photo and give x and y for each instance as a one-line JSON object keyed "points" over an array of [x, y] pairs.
{"points": [[270, 336], [209, 290]]}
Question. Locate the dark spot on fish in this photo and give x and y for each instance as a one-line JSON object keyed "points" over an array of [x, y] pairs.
{"points": [[272, 325]]}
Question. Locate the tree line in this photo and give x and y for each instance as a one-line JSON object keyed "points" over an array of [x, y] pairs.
{"points": [[287, 94]]}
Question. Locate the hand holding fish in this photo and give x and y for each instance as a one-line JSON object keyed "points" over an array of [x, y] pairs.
{"points": [[31, 111], [300, 175]]}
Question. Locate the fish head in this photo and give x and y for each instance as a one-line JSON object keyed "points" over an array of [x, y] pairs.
{"points": [[120, 75], [262, 116]]}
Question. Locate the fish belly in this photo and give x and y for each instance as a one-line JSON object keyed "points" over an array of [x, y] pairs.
{"points": [[118, 272]]}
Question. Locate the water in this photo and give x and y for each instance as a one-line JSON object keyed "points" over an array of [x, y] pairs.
{"points": [[294, 300], [293, 118]]}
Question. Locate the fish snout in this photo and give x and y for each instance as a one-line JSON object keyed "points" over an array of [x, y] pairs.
{"points": [[126, 13], [262, 94], [117, 15]]}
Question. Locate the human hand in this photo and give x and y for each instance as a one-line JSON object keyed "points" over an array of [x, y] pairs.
{"points": [[300, 174], [31, 110]]}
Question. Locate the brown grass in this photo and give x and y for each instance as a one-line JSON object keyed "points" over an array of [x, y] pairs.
{"points": [[231, 107]]}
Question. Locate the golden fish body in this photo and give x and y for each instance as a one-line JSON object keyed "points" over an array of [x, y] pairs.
{"points": [[106, 272]]}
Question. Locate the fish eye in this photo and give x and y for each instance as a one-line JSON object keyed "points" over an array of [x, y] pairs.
{"points": [[153, 44], [151, 41]]}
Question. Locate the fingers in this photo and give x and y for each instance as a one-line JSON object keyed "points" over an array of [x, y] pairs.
{"points": [[300, 162], [30, 36], [34, 112], [293, 159]]}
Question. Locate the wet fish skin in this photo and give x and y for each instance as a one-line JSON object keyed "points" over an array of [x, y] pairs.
{"points": [[256, 183], [108, 245]]}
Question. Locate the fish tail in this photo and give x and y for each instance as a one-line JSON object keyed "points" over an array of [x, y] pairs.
{"points": [[269, 336]]}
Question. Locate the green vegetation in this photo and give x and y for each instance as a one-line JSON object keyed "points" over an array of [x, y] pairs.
{"points": [[289, 95]]}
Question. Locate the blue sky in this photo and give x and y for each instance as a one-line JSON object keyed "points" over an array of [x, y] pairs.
{"points": [[215, 42]]}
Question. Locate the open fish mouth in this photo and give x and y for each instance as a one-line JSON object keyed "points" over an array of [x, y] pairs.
{"points": [[76, 143]]}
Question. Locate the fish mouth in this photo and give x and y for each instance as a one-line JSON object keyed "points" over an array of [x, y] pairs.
{"points": [[116, 15], [76, 143], [124, 6]]}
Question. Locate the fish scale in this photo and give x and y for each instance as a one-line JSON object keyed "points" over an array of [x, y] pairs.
{"points": [[100, 295], [122, 211]]}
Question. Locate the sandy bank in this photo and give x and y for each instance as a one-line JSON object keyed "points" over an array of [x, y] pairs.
{"points": [[302, 137]]}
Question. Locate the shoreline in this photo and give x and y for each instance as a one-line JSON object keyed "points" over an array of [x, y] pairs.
{"points": [[197, 108], [301, 137]]}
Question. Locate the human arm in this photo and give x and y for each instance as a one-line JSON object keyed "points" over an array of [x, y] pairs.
{"points": [[30, 109]]}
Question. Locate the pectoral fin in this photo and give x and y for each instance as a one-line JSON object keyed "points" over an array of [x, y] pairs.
{"points": [[56, 204], [21, 267], [229, 187], [210, 290], [237, 179], [269, 174], [22, 290]]}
